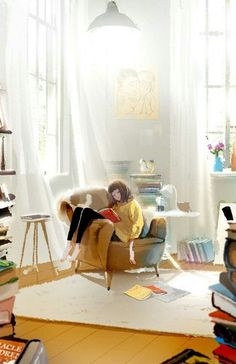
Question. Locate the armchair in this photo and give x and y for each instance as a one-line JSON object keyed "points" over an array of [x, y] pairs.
{"points": [[96, 248]]}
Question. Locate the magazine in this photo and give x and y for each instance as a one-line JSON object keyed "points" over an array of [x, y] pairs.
{"points": [[139, 292], [156, 290], [171, 294]]}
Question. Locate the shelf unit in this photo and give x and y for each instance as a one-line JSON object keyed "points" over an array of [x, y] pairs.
{"points": [[146, 187], [8, 273]]}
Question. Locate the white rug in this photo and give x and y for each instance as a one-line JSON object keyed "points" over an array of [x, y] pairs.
{"points": [[85, 299]]}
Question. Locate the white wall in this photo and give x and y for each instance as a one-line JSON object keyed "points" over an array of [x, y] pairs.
{"points": [[2, 43]]}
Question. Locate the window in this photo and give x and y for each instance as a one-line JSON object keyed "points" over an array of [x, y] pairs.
{"points": [[221, 73], [44, 66]]}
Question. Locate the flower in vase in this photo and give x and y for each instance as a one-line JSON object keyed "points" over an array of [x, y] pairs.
{"points": [[216, 149]]}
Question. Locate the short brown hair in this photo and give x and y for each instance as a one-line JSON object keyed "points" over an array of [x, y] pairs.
{"points": [[123, 188]]}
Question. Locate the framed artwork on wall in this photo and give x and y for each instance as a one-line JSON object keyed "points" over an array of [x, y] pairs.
{"points": [[136, 94]]}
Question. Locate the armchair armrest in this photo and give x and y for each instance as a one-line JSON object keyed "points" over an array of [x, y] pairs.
{"points": [[158, 228]]}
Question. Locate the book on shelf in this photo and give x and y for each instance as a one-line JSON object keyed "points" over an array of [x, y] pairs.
{"points": [[223, 299], [225, 354], [3, 253], [5, 239], [6, 308], [5, 212], [3, 230], [9, 289], [109, 214], [4, 221], [221, 317], [6, 264], [5, 246], [224, 279], [139, 292], [10, 350], [7, 275]]}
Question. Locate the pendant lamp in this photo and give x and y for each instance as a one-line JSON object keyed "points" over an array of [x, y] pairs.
{"points": [[112, 17]]}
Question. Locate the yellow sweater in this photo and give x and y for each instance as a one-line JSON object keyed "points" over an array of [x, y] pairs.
{"points": [[131, 223]]}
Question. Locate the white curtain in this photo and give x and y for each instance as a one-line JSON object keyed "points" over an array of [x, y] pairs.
{"points": [[33, 194], [92, 67], [188, 170], [86, 116]]}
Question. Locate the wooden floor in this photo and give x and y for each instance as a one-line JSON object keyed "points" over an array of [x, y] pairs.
{"points": [[83, 344]]}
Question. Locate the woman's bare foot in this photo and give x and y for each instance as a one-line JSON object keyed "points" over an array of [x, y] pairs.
{"points": [[73, 257], [66, 251]]}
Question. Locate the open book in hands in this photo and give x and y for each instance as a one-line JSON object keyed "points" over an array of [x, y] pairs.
{"points": [[109, 214]]}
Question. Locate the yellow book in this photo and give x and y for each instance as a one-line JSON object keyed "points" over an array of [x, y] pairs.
{"points": [[139, 292]]}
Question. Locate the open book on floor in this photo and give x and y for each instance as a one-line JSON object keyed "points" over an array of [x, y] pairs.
{"points": [[139, 292]]}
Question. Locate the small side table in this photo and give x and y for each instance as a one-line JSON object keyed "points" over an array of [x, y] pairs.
{"points": [[35, 220]]}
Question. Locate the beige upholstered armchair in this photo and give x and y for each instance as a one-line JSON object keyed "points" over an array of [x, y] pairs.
{"points": [[96, 248]]}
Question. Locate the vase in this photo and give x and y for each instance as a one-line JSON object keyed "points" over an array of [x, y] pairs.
{"points": [[218, 164]]}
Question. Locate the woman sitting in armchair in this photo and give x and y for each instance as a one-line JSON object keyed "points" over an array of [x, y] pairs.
{"points": [[127, 229]]}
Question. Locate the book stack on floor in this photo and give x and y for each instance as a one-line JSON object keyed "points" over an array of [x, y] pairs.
{"points": [[197, 250], [224, 301], [8, 289]]}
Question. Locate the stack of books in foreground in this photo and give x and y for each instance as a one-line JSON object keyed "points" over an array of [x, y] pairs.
{"points": [[8, 289], [197, 250], [224, 301]]}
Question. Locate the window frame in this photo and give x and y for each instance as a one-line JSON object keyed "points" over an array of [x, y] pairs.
{"points": [[55, 26], [228, 132]]}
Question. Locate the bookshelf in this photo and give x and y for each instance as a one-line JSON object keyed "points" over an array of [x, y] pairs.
{"points": [[8, 272]]}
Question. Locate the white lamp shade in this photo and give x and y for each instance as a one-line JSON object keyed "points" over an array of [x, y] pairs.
{"points": [[170, 194], [112, 17]]}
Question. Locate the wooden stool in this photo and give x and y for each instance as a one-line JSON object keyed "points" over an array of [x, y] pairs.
{"points": [[36, 220]]}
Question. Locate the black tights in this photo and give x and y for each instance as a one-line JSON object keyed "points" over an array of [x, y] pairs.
{"points": [[82, 218]]}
